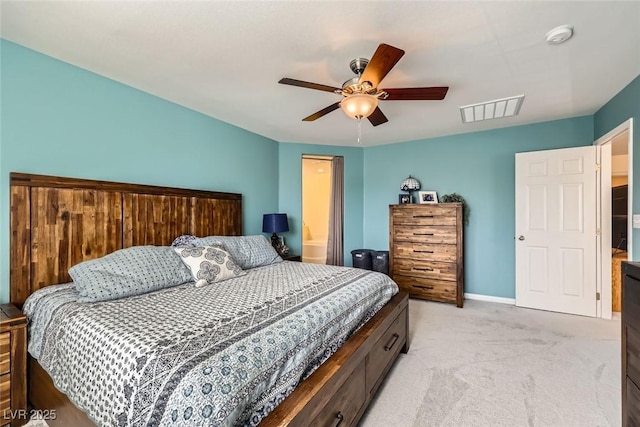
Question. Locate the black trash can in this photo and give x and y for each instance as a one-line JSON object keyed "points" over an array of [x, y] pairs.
{"points": [[361, 258], [380, 261]]}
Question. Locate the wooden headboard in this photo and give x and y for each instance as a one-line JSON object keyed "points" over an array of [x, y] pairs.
{"points": [[59, 222]]}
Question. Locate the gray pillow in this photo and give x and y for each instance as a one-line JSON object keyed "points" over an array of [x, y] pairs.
{"points": [[127, 272], [247, 251]]}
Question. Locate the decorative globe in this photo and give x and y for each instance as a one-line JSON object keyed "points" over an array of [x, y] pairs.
{"points": [[410, 184]]}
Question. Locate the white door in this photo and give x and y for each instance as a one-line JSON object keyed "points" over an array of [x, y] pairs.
{"points": [[556, 230]]}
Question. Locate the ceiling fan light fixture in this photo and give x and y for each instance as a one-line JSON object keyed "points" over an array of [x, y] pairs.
{"points": [[359, 105]]}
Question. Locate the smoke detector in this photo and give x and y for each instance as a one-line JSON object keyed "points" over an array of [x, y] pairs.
{"points": [[559, 34]]}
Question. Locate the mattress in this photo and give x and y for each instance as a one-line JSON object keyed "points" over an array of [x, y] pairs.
{"points": [[224, 354]]}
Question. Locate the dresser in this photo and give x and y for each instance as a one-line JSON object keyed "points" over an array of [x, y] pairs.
{"points": [[13, 366], [630, 344], [426, 250]]}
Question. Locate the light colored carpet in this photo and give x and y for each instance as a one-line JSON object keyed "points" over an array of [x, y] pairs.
{"points": [[498, 365], [36, 423]]}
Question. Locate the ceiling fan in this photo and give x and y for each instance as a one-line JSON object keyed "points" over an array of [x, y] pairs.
{"points": [[361, 93]]}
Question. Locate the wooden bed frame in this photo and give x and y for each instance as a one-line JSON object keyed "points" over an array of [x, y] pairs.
{"points": [[57, 222]]}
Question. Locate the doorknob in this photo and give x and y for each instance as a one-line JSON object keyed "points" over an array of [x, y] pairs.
{"points": [[520, 237]]}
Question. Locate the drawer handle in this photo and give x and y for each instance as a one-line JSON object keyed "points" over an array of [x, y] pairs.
{"points": [[338, 420], [423, 234], [423, 216], [426, 252], [389, 346], [423, 268], [429, 288]]}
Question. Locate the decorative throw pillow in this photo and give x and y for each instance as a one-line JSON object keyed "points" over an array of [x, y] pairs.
{"points": [[127, 272], [209, 264], [184, 240], [247, 251]]}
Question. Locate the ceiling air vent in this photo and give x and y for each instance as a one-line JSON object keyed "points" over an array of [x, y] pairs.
{"points": [[498, 108]]}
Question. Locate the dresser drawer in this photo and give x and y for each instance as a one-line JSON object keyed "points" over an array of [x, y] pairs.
{"points": [[431, 289], [384, 350], [435, 234], [631, 301], [5, 394], [424, 215], [427, 269], [5, 352], [633, 353], [420, 251], [632, 413], [346, 403]]}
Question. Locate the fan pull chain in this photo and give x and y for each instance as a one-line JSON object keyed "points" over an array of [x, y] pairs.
{"points": [[359, 129]]}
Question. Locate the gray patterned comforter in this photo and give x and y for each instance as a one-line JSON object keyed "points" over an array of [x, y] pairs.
{"points": [[224, 354]]}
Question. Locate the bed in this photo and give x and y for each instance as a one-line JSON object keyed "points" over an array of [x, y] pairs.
{"points": [[58, 222]]}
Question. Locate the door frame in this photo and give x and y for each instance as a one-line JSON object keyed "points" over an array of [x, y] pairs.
{"points": [[603, 281]]}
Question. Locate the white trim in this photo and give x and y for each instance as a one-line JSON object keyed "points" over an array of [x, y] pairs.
{"points": [[489, 298]]}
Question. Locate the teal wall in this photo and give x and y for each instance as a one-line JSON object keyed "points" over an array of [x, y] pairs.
{"points": [[290, 192], [622, 107], [61, 120], [480, 166], [58, 119]]}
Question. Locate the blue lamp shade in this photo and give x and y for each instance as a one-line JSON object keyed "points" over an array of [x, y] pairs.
{"points": [[275, 223]]}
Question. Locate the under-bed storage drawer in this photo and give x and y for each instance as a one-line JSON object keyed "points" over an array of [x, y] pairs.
{"points": [[345, 405], [385, 350]]}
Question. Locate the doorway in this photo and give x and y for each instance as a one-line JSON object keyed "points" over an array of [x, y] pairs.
{"points": [[615, 211], [563, 281], [322, 209]]}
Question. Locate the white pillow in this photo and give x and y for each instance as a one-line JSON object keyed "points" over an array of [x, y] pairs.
{"points": [[209, 264]]}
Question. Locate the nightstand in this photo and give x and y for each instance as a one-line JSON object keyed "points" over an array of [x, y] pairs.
{"points": [[291, 257], [13, 366]]}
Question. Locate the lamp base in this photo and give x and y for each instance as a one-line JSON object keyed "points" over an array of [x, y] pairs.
{"points": [[277, 244], [275, 241]]}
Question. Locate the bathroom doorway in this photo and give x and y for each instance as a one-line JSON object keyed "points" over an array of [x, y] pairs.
{"points": [[322, 209]]}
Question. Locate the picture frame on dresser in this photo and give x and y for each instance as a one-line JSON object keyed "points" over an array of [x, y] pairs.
{"points": [[404, 199], [427, 197]]}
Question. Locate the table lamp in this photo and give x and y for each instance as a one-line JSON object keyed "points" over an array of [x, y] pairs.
{"points": [[275, 223]]}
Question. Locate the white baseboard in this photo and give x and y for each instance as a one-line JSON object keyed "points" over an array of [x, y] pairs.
{"points": [[490, 298]]}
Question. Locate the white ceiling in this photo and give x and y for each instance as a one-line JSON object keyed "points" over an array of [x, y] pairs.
{"points": [[224, 59]]}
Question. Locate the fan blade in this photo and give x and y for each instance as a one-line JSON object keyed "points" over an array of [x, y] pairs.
{"points": [[377, 117], [322, 112], [383, 60], [308, 85], [417, 94]]}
